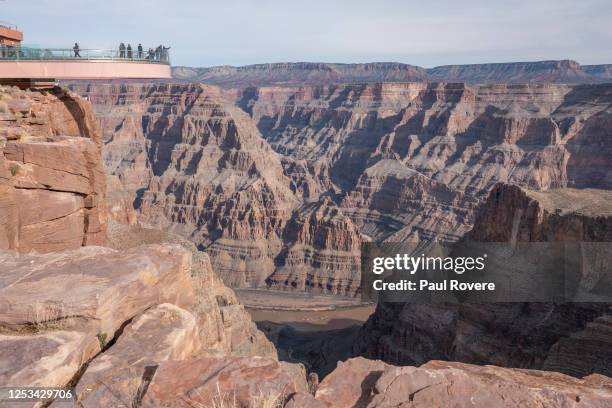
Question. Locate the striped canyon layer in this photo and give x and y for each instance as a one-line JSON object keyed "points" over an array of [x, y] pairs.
{"points": [[281, 185]]}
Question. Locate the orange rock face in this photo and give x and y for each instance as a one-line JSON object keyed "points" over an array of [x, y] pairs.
{"points": [[101, 318], [241, 382], [224, 325], [52, 183], [57, 310], [367, 383], [162, 333]]}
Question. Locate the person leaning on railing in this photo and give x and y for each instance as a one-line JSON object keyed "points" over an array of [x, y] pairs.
{"points": [[164, 53], [6, 51]]}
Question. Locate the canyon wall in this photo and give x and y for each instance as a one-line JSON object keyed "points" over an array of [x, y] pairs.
{"points": [[414, 160], [573, 338], [194, 163], [122, 326], [280, 184], [52, 182]]}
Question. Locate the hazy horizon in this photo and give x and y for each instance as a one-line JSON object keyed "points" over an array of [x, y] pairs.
{"points": [[440, 32]]}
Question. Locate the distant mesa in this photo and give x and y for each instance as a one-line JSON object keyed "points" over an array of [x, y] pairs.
{"points": [[313, 74]]}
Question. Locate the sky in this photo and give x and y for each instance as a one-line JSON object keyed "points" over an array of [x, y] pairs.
{"points": [[239, 32]]}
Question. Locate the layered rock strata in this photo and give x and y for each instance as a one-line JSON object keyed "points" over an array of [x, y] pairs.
{"points": [[52, 183], [199, 167], [322, 252], [573, 338], [400, 162], [412, 161]]}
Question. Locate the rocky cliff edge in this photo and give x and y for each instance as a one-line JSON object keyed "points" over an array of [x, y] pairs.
{"points": [[52, 183]]}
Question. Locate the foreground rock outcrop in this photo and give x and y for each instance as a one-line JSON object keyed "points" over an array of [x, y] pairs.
{"points": [[95, 318], [369, 383], [225, 324], [52, 183], [57, 311], [165, 332], [240, 382], [105, 321], [140, 328]]}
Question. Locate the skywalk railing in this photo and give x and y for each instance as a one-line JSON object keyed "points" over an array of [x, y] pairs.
{"points": [[48, 54]]}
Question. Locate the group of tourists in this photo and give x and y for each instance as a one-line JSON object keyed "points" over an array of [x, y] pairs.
{"points": [[8, 51], [160, 53]]}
